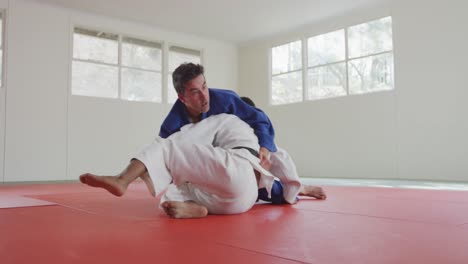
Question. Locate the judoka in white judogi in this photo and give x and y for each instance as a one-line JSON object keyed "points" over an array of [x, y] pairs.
{"points": [[203, 163]]}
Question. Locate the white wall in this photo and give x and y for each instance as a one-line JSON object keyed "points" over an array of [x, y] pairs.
{"points": [[2, 131], [36, 93], [51, 135], [432, 59], [3, 5], [417, 131]]}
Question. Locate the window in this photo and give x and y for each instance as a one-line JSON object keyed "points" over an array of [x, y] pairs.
{"points": [[286, 73], [141, 70], [2, 19], [370, 53], [354, 60], [115, 66], [177, 56], [326, 74]]}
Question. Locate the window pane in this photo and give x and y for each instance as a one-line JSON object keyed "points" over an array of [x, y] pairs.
{"points": [[326, 48], [327, 81], [286, 58], [140, 85], [94, 80], [178, 55], [286, 88], [141, 54], [370, 38], [171, 92], [371, 74], [96, 46]]}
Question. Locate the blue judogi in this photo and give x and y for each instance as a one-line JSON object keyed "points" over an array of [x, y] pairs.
{"points": [[224, 102], [228, 102]]}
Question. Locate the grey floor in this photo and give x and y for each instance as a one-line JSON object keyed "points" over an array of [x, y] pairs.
{"points": [[461, 186]]}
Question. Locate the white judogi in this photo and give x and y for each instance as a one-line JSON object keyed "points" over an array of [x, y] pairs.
{"points": [[199, 164], [284, 168]]}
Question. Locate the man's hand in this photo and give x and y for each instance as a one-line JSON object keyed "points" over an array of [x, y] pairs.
{"points": [[264, 156]]}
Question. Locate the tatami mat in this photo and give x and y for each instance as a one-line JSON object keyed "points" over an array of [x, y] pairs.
{"points": [[354, 225]]}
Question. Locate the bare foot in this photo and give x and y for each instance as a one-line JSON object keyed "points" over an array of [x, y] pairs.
{"points": [[313, 191], [149, 183], [188, 209], [110, 183]]}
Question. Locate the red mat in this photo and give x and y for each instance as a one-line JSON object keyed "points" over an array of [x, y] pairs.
{"points": [[438, 207], [355, 225], [62, 235], [134, 205], [316, 237]]}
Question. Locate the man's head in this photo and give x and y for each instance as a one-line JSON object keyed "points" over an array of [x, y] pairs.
{"points": [[190, 84]]}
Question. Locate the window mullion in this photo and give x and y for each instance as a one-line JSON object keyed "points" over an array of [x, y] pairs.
{"points": [[96, 62], [119, 58], [305, 66], [285, 73], [326, 65], [346, 60], [139, 69], [371, 55]]}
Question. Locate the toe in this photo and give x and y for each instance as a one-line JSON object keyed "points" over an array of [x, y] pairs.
{"points": [[83, 178]]}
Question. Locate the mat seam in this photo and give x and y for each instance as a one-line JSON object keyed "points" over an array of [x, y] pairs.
{"points": [[262, 253]]}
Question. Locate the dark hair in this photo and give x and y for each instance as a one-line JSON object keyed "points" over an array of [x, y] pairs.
{"points": [[248, 101], [185, 73]]}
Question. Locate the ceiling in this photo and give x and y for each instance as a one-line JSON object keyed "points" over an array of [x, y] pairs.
{"points": [[235, 21]]}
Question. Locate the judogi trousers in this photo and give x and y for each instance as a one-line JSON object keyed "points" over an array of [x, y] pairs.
{"points": [[222, 180]]}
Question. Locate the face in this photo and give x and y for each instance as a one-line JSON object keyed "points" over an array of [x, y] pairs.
{"points": [[196, 96]]}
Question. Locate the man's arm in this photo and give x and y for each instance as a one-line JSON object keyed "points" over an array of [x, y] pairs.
{"points": [[261, 124], [264, 153], [256, 119]]}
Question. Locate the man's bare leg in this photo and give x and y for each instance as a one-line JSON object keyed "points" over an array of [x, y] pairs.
{"points": [[187, 209], [312, 191], [149, 183], [117, 185]]}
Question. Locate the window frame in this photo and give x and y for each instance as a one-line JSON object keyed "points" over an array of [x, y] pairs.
{"points": [[119, 65], [300, 70], [306, 68]]}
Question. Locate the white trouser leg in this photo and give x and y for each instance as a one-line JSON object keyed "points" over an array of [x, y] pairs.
{"points": [[214, 177], [284, 168], [152, 156]]}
